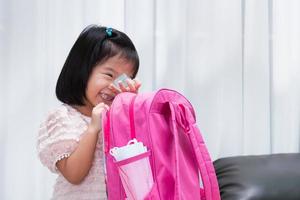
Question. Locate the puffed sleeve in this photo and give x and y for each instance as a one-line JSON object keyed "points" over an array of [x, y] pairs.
{"points": [[58, 137]]}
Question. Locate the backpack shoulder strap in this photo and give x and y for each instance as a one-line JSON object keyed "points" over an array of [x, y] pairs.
{"points": [[184, 119]]}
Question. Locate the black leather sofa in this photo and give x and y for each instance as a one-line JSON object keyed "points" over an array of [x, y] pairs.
{"points": [[264, 177]]}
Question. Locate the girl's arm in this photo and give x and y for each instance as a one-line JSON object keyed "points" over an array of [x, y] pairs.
{"points": [[75, 167]]}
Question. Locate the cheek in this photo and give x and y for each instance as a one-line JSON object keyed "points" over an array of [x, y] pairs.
{"points": [[92, 94], [96, 86]]}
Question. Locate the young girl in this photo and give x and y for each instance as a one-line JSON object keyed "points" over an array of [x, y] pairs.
{"points": [[70, 139]]}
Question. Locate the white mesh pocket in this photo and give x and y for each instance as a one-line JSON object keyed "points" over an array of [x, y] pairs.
{"points": [[136, 176]]}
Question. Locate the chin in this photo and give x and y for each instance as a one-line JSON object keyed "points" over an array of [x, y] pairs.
{"points": [[103, 101], [108, 103]]}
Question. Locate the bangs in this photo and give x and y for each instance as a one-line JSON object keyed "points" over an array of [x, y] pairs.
{"points": [[109, 50]]}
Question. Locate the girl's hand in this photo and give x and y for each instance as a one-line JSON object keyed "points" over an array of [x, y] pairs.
{"points": [[96, 122], [133, 86]]}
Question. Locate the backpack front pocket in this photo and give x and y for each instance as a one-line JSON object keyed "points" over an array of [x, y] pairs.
{"points": [[136, 176]]}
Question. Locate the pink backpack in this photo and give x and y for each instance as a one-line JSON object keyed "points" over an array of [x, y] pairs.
{"points": [[165, 122]]}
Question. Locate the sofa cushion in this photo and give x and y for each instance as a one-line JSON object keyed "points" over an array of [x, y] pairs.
{"points": [[264, 177]]}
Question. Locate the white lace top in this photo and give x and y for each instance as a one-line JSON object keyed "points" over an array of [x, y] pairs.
{"points": [[58, 137]]}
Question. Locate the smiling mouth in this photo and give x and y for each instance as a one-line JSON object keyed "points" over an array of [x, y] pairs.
{"points": [[107, 97]]}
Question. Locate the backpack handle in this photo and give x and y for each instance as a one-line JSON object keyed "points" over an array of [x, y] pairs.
{"points": [[106, 131], [106, 122], [131, 118]]}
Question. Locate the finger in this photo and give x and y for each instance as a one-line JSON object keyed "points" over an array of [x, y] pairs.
{"points": [[104, 108], [99, 105], [122, 87], [131, 85], [97, 109], [114, 89], [138, 83], [103, 105]]}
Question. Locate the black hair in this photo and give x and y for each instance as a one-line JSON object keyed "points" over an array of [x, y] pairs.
{"points": [[93, 46]]}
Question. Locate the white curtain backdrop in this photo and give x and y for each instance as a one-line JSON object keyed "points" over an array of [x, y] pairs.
{"points": [[237, 61]]}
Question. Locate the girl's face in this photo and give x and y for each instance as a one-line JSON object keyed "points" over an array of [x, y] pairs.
{"points": [[102, 76]]}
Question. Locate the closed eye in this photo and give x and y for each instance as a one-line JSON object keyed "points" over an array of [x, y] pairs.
{"points": [[110, 75]]}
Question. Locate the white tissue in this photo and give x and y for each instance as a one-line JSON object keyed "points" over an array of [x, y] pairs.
{"points": [[122, 78], [133, 148]]}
